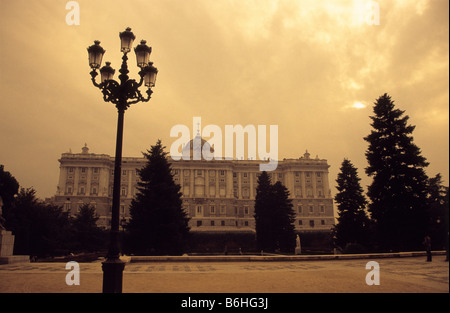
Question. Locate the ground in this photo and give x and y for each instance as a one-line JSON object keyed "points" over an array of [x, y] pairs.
{"points": [[397, 275]]}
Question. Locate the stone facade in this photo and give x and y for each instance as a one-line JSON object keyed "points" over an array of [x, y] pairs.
{"points": [[217, 194]]}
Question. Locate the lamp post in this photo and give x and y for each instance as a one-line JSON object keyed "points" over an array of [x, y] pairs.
{"points": [[122, 94]]}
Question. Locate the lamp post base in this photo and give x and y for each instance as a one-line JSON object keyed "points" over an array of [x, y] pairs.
{"points": [[113, 275]]}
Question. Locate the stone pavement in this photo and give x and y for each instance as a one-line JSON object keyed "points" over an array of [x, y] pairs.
{"points": [[404, 275]]}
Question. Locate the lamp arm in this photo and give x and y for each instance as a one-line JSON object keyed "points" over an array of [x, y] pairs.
{"points": [[93, 75], [141, 74], [141, 98]]}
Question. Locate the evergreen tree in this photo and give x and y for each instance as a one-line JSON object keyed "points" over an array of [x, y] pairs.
{"points": [[158, 223], [87, 235], [353, 222], [283, 219], [274, 217], [40, 229], [263, 216], [438, 211], [398, 192]]}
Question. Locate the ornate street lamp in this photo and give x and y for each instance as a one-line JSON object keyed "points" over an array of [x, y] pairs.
{"points": [[122, 94]]}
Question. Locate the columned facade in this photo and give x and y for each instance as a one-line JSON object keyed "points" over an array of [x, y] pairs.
{"points": [[217, 195]]}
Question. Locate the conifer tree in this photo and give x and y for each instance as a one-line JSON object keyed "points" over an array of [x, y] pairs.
{"points": [[274, 217], [283, 219], [263, 203], [398, 191], [158, 223], [352, 226]]}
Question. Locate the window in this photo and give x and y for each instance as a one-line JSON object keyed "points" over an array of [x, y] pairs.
{"points": [[70, 169], [300, 222], [246, 210], [199, 172], [124, 172], [311, 209], [245, 174], [199, 210], [83, 170], [319, 175], [199, 223], [123, 191], [222, 173], [322, 222], [82, 190], [246, 223], [67, 207], [222, 209], [95, 170], [311, 223], [94, 190], [212, 209], [300, 208], [222, 223], [212, 223], [322, 209]]}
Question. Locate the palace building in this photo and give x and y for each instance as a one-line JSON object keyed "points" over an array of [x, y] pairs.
{"points": [[218, 195]]}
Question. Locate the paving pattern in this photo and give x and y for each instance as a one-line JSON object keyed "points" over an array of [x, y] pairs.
{"points": [[397, 274]]}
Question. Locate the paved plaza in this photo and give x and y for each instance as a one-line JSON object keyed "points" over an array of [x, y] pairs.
{"points": [[404, 275]]}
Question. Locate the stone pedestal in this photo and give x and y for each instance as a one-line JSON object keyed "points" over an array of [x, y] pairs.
{"points": [[6, 243], [298, 250], [7, 248]]}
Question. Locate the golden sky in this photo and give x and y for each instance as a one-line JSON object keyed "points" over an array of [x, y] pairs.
{"points": [[314, 68]]}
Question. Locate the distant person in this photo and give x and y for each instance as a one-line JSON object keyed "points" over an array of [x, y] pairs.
{"points": [[427, 244]]}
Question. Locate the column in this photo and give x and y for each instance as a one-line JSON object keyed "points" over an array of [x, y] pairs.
{"points": [[191, 183], [217, 184]]}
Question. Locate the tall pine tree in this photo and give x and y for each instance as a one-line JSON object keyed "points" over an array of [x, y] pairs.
{"points": [[158, 224], [283, 219], [274, 216], [353, 223], [398, 192], [263, 205]]}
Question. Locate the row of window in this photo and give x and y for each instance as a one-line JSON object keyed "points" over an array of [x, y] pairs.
{"points": [[244, 174], [176, 172], [199, 223], [213, 209], [222, 223]]}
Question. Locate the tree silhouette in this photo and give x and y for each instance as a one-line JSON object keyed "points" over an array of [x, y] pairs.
{"points": [[87, 235], [398, 192], [274, 216], [40, 229], [158, 223], [352, 226]]}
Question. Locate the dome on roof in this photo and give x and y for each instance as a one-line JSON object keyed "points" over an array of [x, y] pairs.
{"points": [[193, 149]]}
